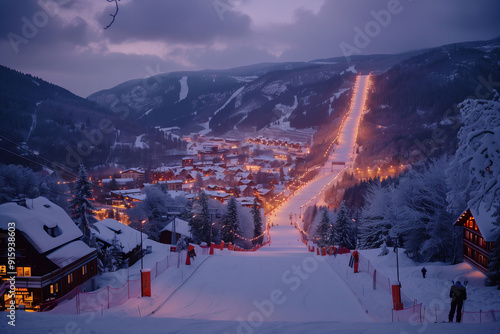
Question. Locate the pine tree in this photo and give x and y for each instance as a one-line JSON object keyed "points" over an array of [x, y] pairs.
{"points": [[324, 231], [257, 223], [116, 252], [200, 225], [343, 228], [230, 222], [187, 212], [82, 210], [475, 169], [199, 184], [375, 221], [494, 267]]}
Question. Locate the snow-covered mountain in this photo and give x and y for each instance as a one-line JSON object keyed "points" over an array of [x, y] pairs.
{"points": [[410, 97]]}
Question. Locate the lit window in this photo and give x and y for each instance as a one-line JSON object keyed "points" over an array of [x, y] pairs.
{"points": [[23, 271], [70, 278], [3, 270], [52, 291], [84, 269]]}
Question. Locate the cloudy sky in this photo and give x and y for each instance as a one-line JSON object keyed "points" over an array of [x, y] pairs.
{"points": [[63, 41]]}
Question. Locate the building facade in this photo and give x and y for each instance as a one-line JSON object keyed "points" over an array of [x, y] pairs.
{"points": [[478, 239]]}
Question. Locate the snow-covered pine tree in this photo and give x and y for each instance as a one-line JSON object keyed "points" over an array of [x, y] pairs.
{"points": [[230, 222], [116, 252], [82, 210], [375, 223], [155, 208], [257, 223], [474, 172], [344, 234], [200, 224], [187, 212], [494, 267], [424, 223], [199, 183], [324, 230]]}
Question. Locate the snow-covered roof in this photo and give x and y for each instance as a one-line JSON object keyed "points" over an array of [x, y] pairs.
{"points": [[127, 236], [220, 194], [31, 220], [484, 221], [134, 170], [131, 193], [181, 227], [69, 253], [120, 181]]}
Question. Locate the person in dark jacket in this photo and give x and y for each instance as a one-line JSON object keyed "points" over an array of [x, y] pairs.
{"points": [[457, 294], [424, 271]]}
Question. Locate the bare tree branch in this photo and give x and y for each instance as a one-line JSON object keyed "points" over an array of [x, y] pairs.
{"points": [[113, 15]]}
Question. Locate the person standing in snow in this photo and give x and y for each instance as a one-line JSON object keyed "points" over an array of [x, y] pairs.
{"points": [[457, 294], [424, 271]]}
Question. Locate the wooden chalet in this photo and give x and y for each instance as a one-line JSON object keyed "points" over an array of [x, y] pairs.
{"points": [[478, 236], [50, 258], [128, 238]]}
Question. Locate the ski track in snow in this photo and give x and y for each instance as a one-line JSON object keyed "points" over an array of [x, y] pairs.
{"points": [[235, 94], [33, 124], [184, 89]]}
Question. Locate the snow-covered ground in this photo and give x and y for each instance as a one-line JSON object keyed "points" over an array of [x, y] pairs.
{"points": [[282, 288], [139, 143]]}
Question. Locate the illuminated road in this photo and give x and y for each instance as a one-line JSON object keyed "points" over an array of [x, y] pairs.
{"points": [[312, 192]]}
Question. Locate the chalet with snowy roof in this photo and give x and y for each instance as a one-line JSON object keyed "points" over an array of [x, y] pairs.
{"points": [[177, 227], [478, 236], [163, 174], [218, 195], [50, 261], [187, 161], [121, 183], [174, 185], [127, 196], [126, 237], [137, 174]]}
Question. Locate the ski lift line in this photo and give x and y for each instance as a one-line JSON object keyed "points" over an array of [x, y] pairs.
{"points": [[40, 156], [34, 185], [51, 162]]}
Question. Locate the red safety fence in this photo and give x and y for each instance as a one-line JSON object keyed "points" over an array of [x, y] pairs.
{"points": [[107, 296], [381, 280], [410, 314], [420, 313]]}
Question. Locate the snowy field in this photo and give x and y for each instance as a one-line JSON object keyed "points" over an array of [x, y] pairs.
{"points": [[281, 288]]}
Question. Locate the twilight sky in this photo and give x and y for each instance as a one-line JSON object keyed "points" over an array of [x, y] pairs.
{"points": [[63, 41]]}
